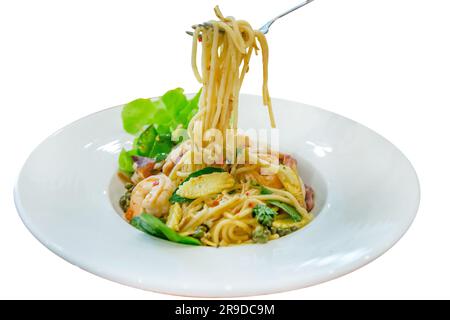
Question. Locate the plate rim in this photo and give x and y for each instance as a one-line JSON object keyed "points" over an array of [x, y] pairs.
{"points": [[296, 284]]}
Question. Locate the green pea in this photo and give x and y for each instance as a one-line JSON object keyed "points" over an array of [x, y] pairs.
{"points": [[124, 202], [200, 232], [129, 186]]}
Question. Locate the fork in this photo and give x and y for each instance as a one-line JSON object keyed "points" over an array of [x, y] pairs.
{"points": [[265, 28]]}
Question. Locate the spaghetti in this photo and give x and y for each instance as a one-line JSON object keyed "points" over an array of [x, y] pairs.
{"points": [[224, 202]]}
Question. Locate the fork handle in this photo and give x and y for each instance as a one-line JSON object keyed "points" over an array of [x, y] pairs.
{"points": [[265, 28]]}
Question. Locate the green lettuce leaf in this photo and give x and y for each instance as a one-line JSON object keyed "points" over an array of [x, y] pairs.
{"points": [[171, 110], [153, 122], [126, 161], [137, 114]]}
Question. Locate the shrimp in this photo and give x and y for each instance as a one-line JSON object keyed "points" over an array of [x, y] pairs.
{"points": [[151, 195], [175, 156]]}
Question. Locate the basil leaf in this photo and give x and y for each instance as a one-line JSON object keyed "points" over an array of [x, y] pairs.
{"points": [[162, 146], [291, 211], [155, 227], [264, 190], [145, 142]]}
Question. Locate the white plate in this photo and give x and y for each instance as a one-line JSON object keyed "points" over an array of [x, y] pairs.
{"points": [[367, 196]]}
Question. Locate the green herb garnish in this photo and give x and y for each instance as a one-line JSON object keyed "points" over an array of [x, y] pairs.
{"points": [[153, 122], [264, 215], [290, 210], [153, 226]]}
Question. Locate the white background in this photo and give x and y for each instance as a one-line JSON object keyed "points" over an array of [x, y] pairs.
{"points": [[383, 63]]}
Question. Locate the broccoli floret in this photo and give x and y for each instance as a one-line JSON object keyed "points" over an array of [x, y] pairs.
{"points": [[264, 215], [261, 234]]}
